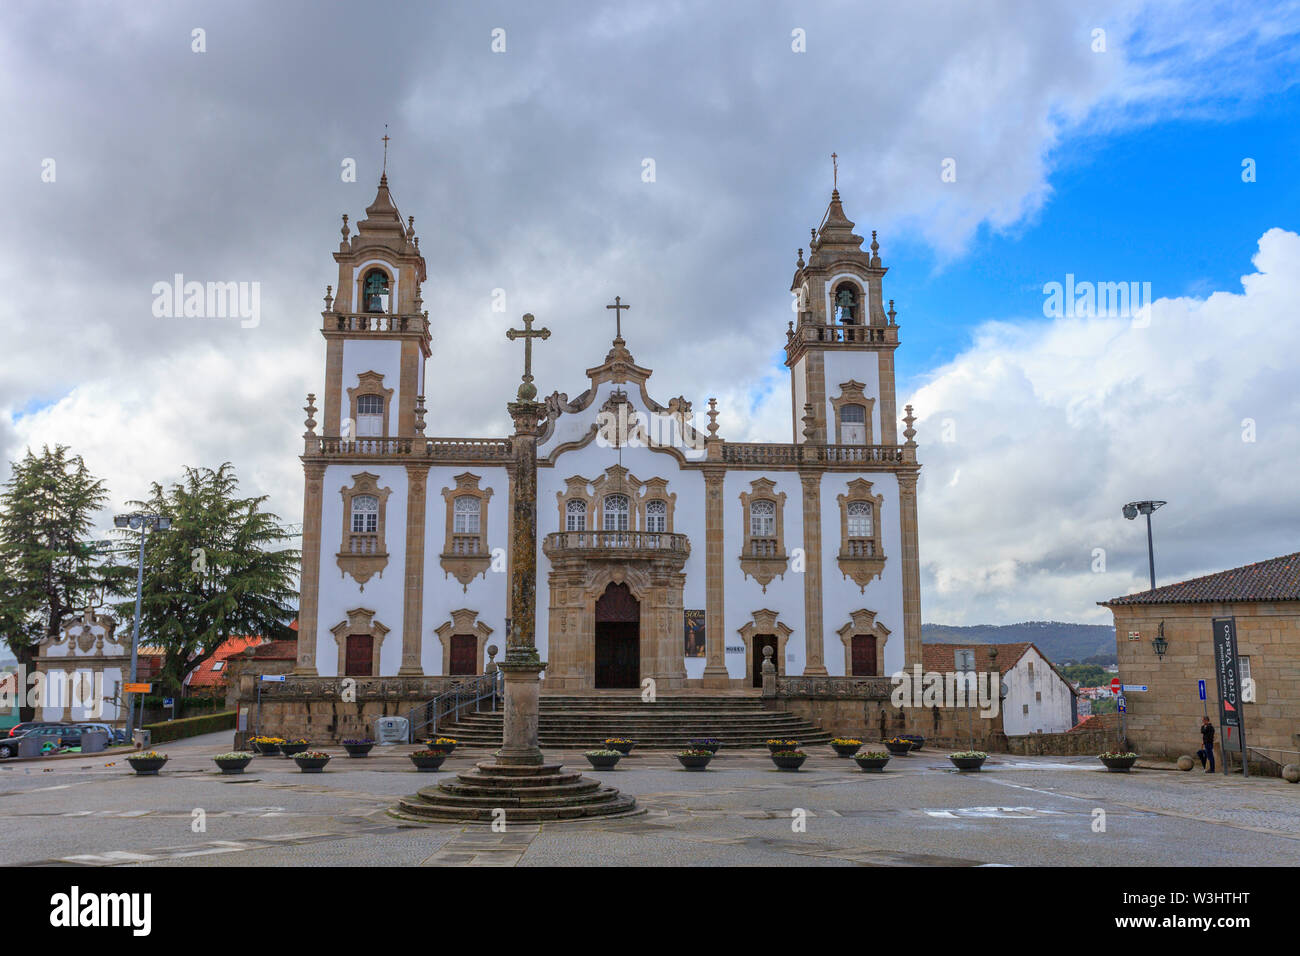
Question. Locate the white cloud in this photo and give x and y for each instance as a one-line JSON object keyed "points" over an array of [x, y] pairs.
{"points": [[1058, 424]]}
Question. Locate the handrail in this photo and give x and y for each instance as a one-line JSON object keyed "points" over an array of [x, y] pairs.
{"points": [[451, 701]]}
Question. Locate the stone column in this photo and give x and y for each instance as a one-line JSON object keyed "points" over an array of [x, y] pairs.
{"points": [[715, 640], [911, 552], [309, 584], [413, 605], [814, 643], [522, 665]]}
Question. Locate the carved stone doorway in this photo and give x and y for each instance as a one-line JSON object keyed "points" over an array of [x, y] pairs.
{"points": [[618, 638]]}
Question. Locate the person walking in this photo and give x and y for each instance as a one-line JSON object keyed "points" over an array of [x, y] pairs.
{"points": [[1206, 753]]}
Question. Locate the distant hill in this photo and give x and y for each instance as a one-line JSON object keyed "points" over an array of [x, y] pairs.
{"points": [[1062, 643]]}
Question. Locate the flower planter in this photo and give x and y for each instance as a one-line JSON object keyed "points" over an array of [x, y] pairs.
{"points": [[871, 764], [311, 763], [603, 761], [358, 750], [622, 746], [899, 748], [776, 746], [1118, 764], [290, 749], [967, 763], [233, 766], [266, 750], [425, 761], [789, 760], [146, 766], [845, 750], [705, 743], [917, 740], [694, 761]]}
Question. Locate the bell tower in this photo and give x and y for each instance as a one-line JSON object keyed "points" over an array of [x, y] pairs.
{"points": [[376, 329], [840, 349]]}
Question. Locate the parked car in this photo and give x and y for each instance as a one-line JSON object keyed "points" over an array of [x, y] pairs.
{"points": [[55, 733], [116, 735]]}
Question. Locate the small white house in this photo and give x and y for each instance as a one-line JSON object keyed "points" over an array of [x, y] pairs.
{"points": [[1039, 700]]}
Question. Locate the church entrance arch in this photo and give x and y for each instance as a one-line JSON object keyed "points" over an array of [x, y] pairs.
{"points": [[618, 638]]}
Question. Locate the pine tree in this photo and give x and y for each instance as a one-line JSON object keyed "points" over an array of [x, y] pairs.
{"points": [[216, 573], [47, 567]]}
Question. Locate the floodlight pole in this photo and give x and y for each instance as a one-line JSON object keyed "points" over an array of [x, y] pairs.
{"points": [[135, 634], [1151, 553]]}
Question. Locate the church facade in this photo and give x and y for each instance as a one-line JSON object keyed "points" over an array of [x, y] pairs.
{"points": [[664, 550]]}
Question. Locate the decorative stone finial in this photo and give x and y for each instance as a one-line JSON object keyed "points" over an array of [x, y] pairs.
{"points": [[713, 418], [410, 225], [891, 312], [419, 414], [809, 422], [310, 409], [799, 262], [875, 249], [345, 229], [329, 298], [909, 432], [789, 330]]}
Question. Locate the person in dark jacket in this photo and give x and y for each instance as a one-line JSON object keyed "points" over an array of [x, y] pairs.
{"points": [[1206, 753]]}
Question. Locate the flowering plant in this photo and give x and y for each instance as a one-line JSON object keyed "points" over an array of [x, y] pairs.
{"points": [[312, 755], [899, 741], [704, 740], [872, 755], [268, 740], [296, 740], [443, 740], [777, 740], [234, 755], [789, 753], [1117, 756], [147, 755], [971, 754], [357, 742], [847, 741], [428, 753], [618, 740], [694, 753], [604, 753]]}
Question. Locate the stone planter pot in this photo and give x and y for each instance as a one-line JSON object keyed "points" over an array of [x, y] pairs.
{"points": [[603, 761], [290, 749], [266, 750], [967, 763], [783, 745], [623, 748], [311, 764], [899, 750], [785, 762], [427, 763], [146, 766], [846, 750], [233, 766], [917, 740], [694, 761], [360, 750], [710, 745], [872, 764], [1118, 764]]}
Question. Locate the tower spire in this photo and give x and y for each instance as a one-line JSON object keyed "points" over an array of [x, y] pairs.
{"points": [[835, 173], [384, 173]]}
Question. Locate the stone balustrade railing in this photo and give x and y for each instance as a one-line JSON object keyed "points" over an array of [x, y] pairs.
{"points": [[619, 543], [853, 688], [845, 334], [374, 322], [758, 453], [437, 449]]}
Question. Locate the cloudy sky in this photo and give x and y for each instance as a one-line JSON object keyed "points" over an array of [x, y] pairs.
{"points": [[1139, 142]]}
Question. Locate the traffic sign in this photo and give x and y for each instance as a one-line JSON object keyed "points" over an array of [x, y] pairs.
{"points": [[1200, 686], [1114, 686], [137, 688], [1121, 705], [169, 701], [1135, 688], [273, 678]]}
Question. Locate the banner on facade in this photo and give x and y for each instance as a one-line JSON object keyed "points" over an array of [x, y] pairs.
{"points": [[694, 633]]}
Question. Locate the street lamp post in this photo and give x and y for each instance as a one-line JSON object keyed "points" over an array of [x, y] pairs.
{"points": [[1131, 511], [141, 522]]}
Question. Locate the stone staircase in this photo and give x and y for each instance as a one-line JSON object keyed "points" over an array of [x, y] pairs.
{"points": [[582, 722], [522, 794]]}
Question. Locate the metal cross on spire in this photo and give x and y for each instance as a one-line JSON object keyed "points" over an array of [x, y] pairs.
{"points": [[385, 170], [618, 308], [835, 171], [527, 390]]}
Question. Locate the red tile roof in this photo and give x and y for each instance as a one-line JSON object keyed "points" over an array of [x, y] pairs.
{"points": [[276, 651], [1277, 579], [207, 674], [940, 657]]}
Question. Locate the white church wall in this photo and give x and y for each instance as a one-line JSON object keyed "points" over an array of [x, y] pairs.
{"points": [[1051, 715], [841, 596], [339, 592], [800, 378], [744, 595], [487, 593], [862, 367], [371, 355]]}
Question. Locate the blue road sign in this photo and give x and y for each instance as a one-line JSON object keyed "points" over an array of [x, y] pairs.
{"points": [[1121, 704], [1200, 686], [169, 701]]}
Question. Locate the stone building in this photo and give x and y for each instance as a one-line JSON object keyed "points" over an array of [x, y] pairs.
{"points": [[664, 550], [1038, 699], [83, 669], [1264, 599]]}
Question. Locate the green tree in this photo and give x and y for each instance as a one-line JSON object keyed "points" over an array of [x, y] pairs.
{"points": [[218, 572], [48, 568]]}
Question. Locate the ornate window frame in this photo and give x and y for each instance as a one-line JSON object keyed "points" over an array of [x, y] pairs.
{"points": [[852, 393], [763, 567], [363, 273], [463, 621], [655, 489], [575, 490], [369, 383], [364, 554], [863, 621], [360, 620], [861, 558], [466, 565], [764, 621]]}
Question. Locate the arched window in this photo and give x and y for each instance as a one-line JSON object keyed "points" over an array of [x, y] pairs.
{"points": [[466, 515], [853, 425], [575, 515], [762, 519], [616, 509], [656, 515], [374, 294], [847, 304], [370, 416], [861, 542], [365, 514]]}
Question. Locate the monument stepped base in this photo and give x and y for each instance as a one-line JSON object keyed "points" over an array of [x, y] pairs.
{"points": [[535, 794]]}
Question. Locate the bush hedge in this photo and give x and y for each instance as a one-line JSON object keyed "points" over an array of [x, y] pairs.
{"points": [[190, 727]]}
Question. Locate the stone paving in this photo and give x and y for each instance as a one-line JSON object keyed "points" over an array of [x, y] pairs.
{"points": [[742, 811]]}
